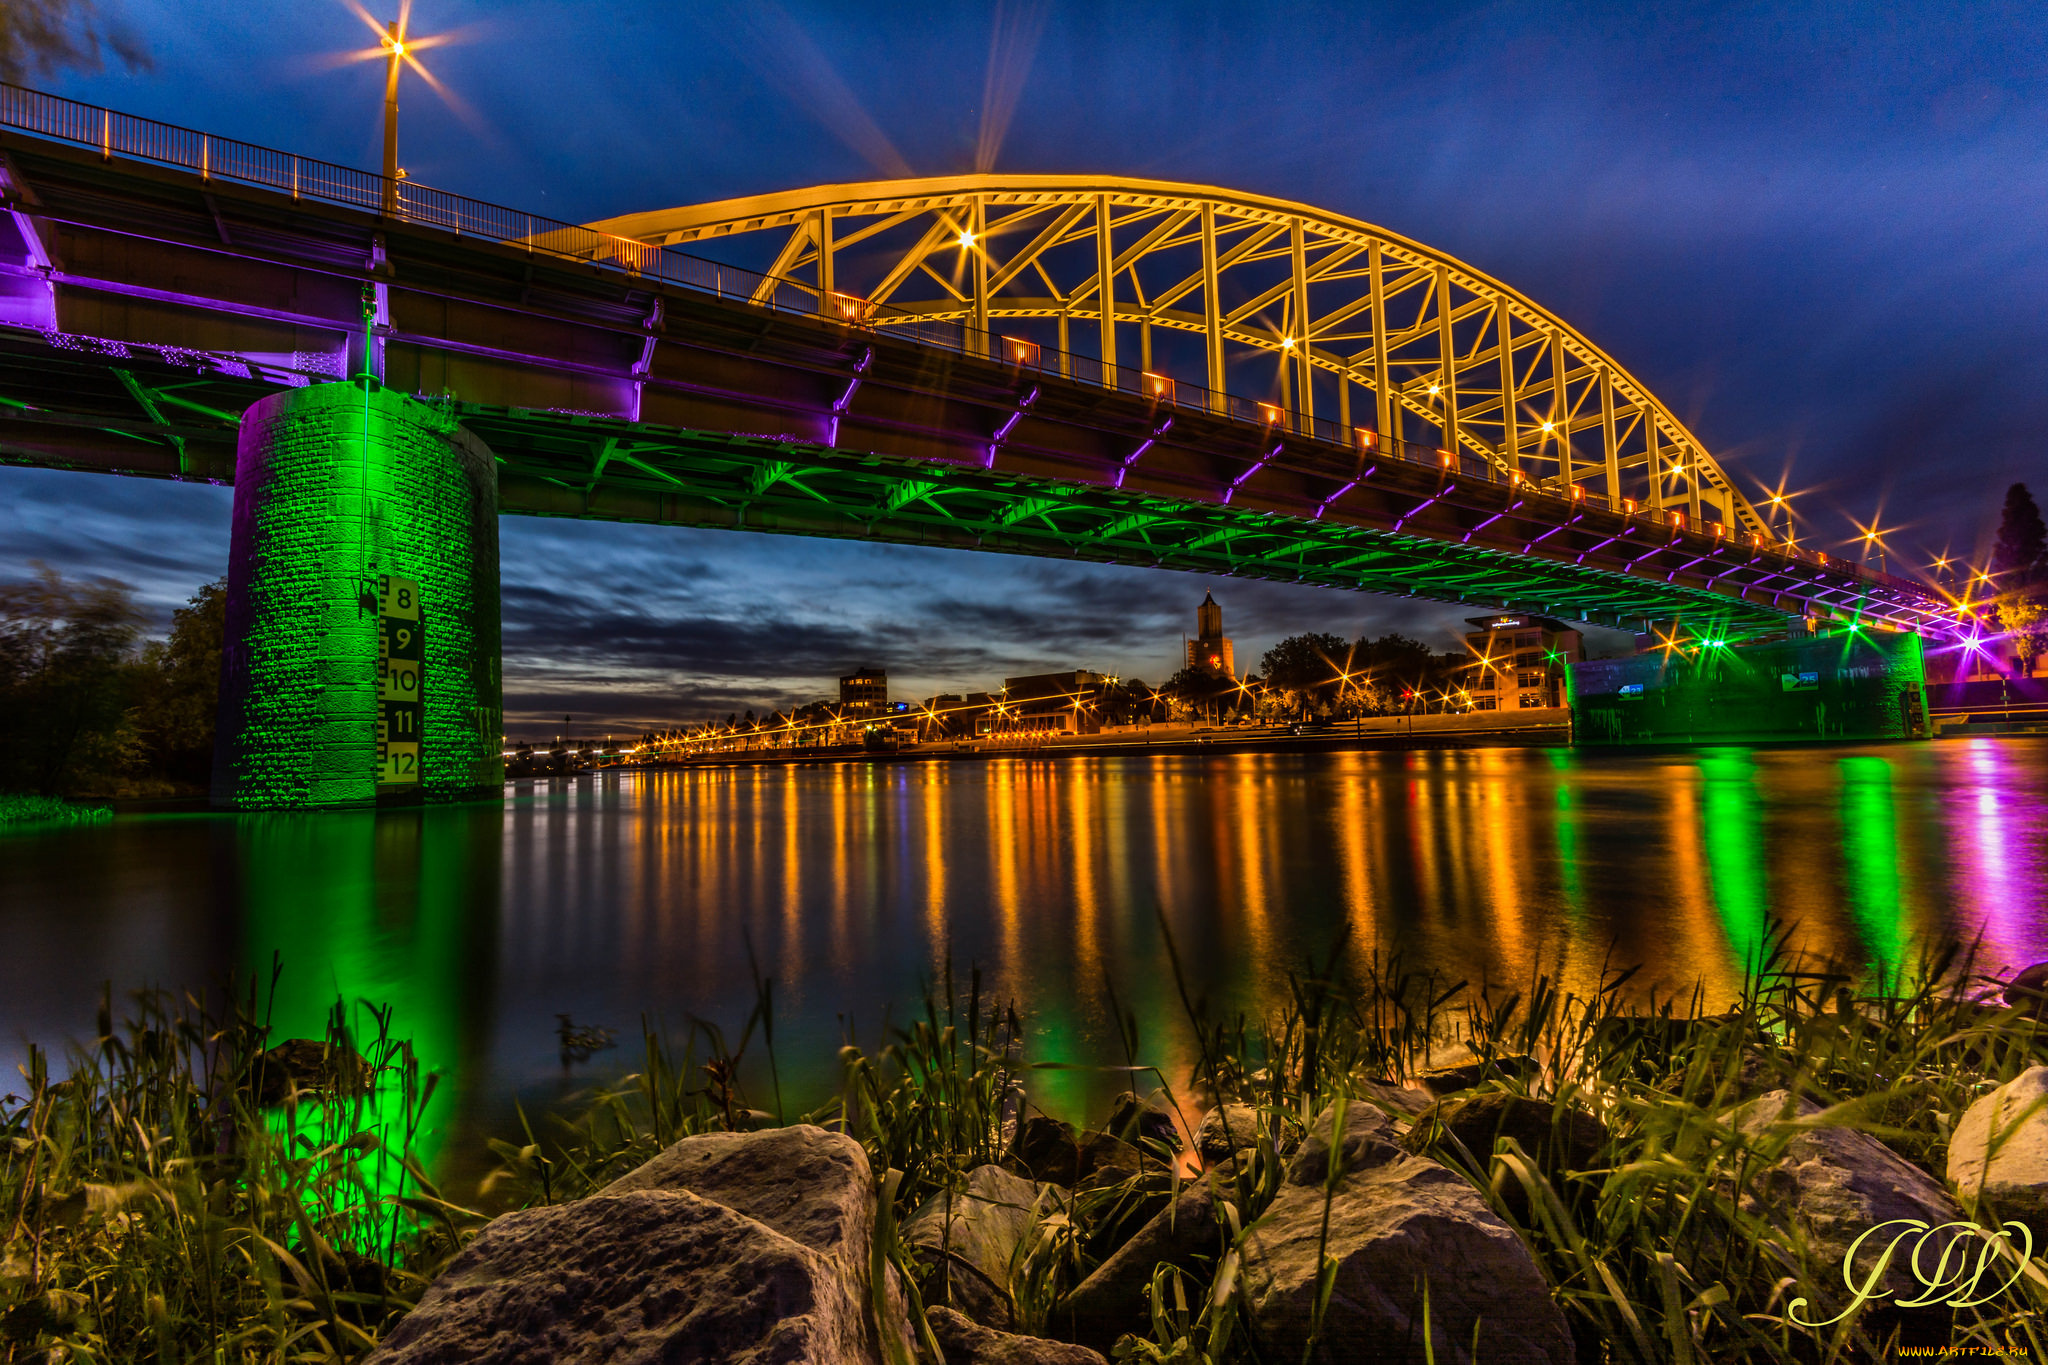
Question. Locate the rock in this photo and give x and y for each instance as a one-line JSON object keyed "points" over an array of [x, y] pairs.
{"points": [[1395, 1220], [294, 1064], [1998, 1155], [1111, 1301], [2029, 988], [1226, 1129], [968, 1343], [1132, 1119], [654, 1275], [725, 1247], [1231, 1128], [1559, 1139], [808, 1184], [972, 1238], [1368, 1140], [1054, 1152], [1459, 1068], [1112, 1204], [1393, 1096], [1831, 1186]]}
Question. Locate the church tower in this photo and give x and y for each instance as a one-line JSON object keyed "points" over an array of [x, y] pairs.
{"points": [[1210, 649]]}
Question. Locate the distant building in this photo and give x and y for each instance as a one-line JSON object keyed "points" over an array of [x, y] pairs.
{"points": [[1048, 703], [1210, 649], [1520, 661], [865, 690]]}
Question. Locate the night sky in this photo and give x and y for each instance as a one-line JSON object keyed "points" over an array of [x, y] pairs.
{"points": [[1816, 232]]}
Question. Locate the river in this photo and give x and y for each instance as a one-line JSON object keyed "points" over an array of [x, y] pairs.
{"points": [[854, 886]]}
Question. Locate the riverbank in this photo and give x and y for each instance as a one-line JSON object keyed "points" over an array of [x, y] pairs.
{"points": [[1369, 1169], [1540, 729]]}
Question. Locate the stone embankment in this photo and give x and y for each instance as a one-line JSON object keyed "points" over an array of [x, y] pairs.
{"points": [[1363, 1233]]}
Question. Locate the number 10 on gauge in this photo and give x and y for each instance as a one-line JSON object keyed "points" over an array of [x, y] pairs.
{"points": [[399, 663]]}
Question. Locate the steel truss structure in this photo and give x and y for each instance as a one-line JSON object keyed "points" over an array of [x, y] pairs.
{"points": [[726, 482], [155, 281], [1361, 329]]}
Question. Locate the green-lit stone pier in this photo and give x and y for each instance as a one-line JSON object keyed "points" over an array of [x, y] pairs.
{"points": [[341, 492]]}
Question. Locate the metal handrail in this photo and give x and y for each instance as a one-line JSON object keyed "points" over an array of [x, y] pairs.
{"points": [[129, 135]]}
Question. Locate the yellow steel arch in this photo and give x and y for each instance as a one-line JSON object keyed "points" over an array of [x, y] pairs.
{"points": [[1440, 351]]}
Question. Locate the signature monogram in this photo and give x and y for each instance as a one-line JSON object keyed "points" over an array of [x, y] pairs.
{"points": [[1955, 1279]]}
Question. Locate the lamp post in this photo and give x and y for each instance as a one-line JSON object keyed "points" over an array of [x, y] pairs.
{"points": [[398, 48], [394, 53]]}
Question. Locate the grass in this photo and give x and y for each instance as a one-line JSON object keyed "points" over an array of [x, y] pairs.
{"points": [[27, 808], [154, 1209]]}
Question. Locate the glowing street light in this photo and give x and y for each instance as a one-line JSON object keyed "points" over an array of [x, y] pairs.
{"points": [[397, 46]]}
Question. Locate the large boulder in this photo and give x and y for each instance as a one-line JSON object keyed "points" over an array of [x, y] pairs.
{"points": [[1148, 1119], [1056, 1153], [725, 1247], [1367, 1140], [1828, 1187], [1393, 1096], [1111, 1204], [1558, 1138], [1111, 1301], [2028, 988], [1458, 1068], [1226, 1130], [966, 1342], [971, 1238], [1998, 1156], [1394, 1223]]}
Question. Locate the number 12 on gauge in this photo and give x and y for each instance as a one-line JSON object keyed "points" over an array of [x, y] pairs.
{"points": [[399, 676]]}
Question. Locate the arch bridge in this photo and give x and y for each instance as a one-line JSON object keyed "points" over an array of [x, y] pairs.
{"points": [[1349, 318], [1114, 369]]}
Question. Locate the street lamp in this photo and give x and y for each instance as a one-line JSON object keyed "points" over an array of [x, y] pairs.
{"points": [[397, 46]]}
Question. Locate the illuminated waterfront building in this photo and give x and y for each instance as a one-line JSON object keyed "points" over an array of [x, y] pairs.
{"points": [[1520, 661], [1048, 703], [865, 690]]}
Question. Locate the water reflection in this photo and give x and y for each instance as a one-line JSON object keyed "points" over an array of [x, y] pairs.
{"points": [[1870, 852], [854, 886], [391, 910]]}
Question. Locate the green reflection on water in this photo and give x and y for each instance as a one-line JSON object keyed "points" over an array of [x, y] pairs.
{"points": [[370, 908], [1733, 829], [1870, 851], [1567, 837]]}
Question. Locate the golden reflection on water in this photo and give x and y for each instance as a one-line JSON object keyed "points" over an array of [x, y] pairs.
{"points": [[856, 885], [1490, 865]]}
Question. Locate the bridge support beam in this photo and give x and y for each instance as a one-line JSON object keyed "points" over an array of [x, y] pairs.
{"points": [[361, 664]]}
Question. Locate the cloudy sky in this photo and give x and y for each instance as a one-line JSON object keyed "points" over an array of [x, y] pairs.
{"points": [[1815, 231]]}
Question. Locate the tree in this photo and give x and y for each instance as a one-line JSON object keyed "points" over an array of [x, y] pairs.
{"points": [[39, 38], [66, 681], [1309, 669], [181, 687], [1196, 693], [2019, 567], [2019, 560]]}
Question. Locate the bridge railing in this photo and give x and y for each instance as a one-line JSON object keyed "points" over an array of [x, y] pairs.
{"points": [[127, 135]]}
